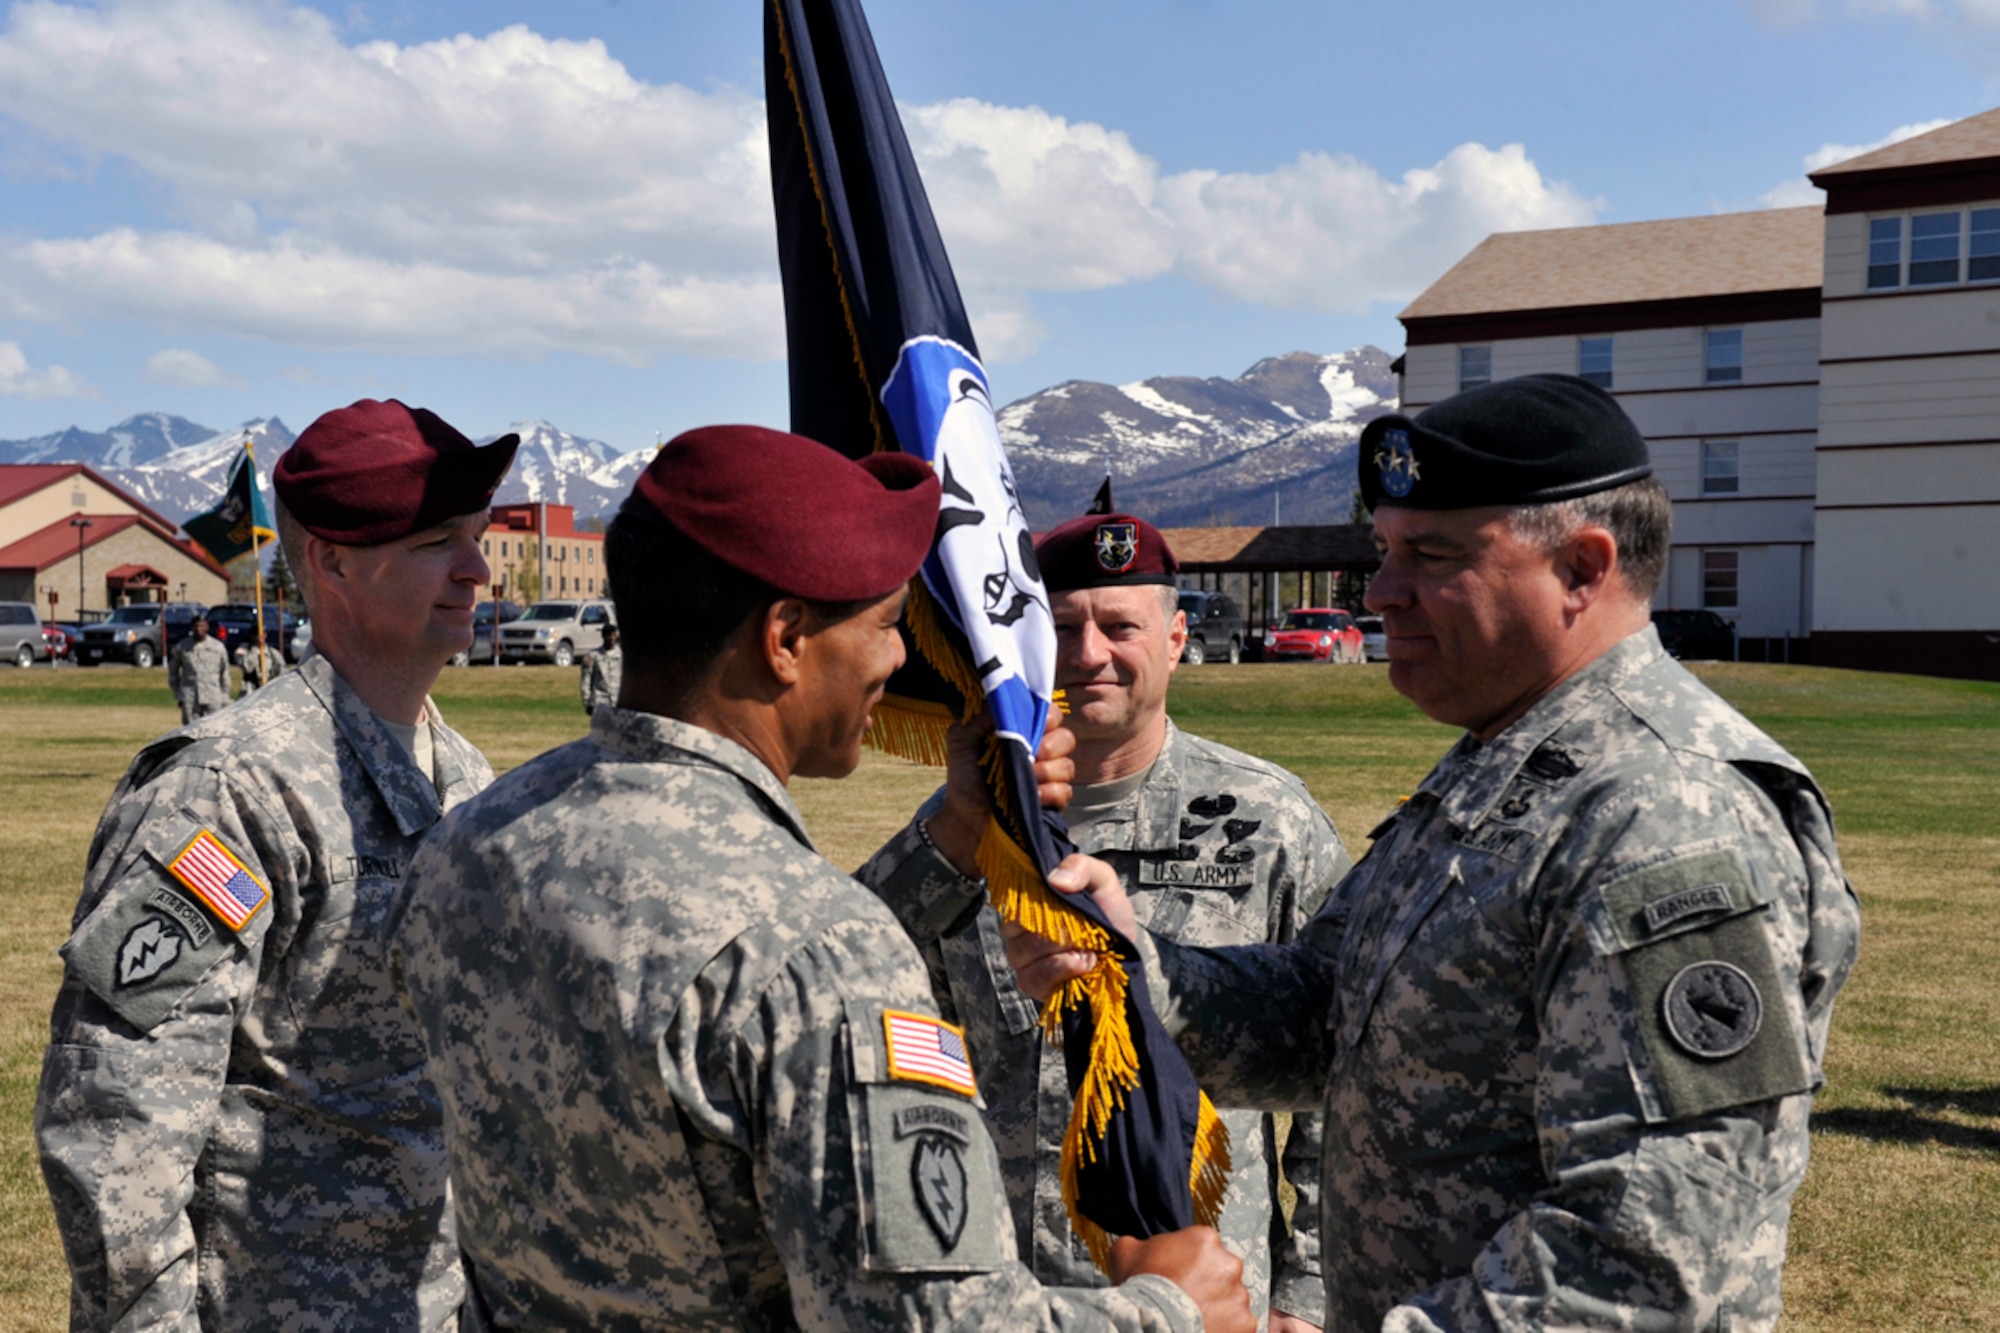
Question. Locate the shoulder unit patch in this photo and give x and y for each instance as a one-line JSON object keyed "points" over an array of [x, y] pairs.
{"points": [[214, 875]]}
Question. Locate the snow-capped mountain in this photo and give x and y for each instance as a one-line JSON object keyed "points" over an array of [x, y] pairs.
{"points": [[1181, 451], [190, 479], [559, 468], [131, 442], [1203, 452]]}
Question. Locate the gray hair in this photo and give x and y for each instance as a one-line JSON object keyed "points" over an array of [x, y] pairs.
{"points": [[1638, 515]]}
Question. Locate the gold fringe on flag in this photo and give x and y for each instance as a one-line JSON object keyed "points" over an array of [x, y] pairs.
{"points": [[1018, 893]]}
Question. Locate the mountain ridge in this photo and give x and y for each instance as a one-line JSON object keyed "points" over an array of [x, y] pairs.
{"points": [[1184, 451]]}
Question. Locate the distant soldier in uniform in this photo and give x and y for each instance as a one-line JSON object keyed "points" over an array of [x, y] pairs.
{"points": [[262, 664], [234, 1122], [1567, 1015], [692, 1074], [598, 681], [1214, 846], [198, 673]]}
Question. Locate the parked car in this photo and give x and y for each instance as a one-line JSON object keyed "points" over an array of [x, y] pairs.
{"points": [[1696, 635], [1374, 638], [22, 639], [1314, 634], [1214, 627], [62, 640], [141, 634], [556, 632], [235, 623], [483, 618]]}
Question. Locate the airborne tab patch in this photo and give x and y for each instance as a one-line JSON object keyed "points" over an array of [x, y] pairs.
{"points": [[927, 1050], [214, 875]]}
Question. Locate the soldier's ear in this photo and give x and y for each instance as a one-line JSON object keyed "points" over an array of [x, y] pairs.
{"points": [[781, 637]]}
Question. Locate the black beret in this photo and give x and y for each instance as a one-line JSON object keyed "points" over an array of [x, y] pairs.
{"points": [[1532, 440], [373, 471], [807, 520], [1104, 551]]}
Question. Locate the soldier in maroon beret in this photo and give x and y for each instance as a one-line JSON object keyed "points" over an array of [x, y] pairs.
{"points": [[1214, 846], [234, 1120], [641, 985]]}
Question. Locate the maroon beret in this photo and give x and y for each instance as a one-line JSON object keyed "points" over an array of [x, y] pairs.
{"points": [[805, 519], [370, 473], [1104, 551]]}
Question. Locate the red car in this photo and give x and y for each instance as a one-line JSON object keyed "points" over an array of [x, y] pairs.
{"points": [[1314, 634], [62, 642]]}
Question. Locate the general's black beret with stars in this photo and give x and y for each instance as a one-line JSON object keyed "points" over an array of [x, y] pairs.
{"points": [[1532, 440]]}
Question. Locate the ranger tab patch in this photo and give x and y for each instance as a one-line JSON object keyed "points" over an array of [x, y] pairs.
{"points": [[214, 875], [927, 1050]]}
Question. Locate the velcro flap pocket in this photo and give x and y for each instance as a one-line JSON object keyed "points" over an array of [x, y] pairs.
{"points": [[1692, 934], [927, 1175], [151, 939]]}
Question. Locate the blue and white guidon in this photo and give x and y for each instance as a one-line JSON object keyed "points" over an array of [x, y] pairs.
{"points": [[981, 568]]}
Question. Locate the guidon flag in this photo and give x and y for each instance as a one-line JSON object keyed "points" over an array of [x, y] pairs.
{"points": [[882, 356]]}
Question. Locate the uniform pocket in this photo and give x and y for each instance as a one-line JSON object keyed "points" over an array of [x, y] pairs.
{"points": [[926, 1171]]}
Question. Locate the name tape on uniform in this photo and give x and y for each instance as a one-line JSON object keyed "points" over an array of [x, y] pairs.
{"points": [[214, 875], [927, 1050]]}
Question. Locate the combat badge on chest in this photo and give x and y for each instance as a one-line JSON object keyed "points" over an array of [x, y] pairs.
{"points": [[1230, 863]]}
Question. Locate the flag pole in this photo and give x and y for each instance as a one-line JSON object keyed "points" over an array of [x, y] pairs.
{"points": [[257, 559]]}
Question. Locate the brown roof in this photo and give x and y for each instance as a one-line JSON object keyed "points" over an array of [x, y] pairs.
{"points": [[1727, 254], [1305, 546], [1973, 139]]}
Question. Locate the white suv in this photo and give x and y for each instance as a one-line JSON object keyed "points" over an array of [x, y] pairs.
{"points": [[556, 632]]}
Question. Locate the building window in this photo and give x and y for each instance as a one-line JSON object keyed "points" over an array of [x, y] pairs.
{"points": [[1885, 252], [1934, 248], [1724, 364], [1593, 361], [1719, 474], [1718, 580], [1475, 367], [1983, 253]]}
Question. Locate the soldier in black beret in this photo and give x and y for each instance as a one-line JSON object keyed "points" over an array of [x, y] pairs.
{"points": [[1580, 986]]}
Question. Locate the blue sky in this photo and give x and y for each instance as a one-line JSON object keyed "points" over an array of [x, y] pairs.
{"points": [[505, 209]]}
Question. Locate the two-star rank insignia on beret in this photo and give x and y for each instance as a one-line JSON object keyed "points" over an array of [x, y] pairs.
{"points": [[214, 875], [928, 1050], [1397, 462]]}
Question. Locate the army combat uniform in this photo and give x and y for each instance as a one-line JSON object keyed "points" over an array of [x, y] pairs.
{"points": [[597, 681], [691, 1073], [233, 1117], [1565, 1018], [1215, 847], [198, 674]]}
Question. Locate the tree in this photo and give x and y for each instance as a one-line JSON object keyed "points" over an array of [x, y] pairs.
{"points": [[1358, 512], [280, 588]]}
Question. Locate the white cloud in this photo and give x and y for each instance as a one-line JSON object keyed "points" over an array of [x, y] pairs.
{"points": [[1800, 191], [188, 370], [19, 380], [516, 194]]}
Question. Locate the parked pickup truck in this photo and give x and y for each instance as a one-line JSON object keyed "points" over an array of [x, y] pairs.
{"points": [[556, 632], [1214, 627]]}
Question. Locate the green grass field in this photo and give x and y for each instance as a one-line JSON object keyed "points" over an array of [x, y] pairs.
{"points": [[1895, 1228]]}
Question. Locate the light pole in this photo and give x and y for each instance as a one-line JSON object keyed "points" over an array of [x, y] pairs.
{"points": [[81, 525]]}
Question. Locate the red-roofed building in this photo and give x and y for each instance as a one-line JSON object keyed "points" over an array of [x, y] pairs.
{"points": [[64, 528], [537, 552]]}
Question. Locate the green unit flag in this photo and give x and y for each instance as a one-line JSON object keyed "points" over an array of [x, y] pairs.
{"points": [[240, 523]]}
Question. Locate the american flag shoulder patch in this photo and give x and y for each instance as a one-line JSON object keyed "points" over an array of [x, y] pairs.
{"points": [[213, 874], [923, 1049]]}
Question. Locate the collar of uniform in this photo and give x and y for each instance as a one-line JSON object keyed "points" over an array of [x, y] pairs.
{"points": [[653, 739], [412, 797], [1489, 768], [1134, 824]]}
